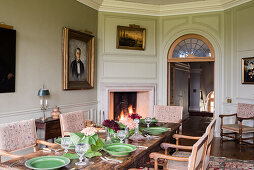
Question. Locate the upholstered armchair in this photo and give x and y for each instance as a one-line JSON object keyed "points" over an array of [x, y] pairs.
{"points": [[192, 162], [236, 130], [19, 135], [72, 122]]}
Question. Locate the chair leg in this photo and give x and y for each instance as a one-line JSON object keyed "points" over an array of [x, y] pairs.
{"points": [[221, 136]]}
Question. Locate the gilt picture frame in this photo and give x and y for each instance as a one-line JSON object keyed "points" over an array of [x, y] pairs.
{"points": [[131, 38], [248, 70], [78, 60]]}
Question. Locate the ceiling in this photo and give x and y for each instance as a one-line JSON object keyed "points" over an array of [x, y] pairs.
{"points": [[161, 7], [160, 2]]}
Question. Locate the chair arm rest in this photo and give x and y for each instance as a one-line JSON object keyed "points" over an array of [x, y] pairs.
{"points": [[221, 116], [242, 118], [46, 143], [169, 145], [178, 136], [9, 155], [156, 156]]}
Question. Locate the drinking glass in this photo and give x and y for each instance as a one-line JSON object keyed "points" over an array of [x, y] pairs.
{"points": [[148, 120], [81, 149], [121, 134], [66, 143]]}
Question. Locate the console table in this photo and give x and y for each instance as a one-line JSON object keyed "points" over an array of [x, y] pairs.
{"points": [[50, 126]]}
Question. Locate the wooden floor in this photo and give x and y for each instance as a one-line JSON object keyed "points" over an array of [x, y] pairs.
{"points": [[196, 126]]}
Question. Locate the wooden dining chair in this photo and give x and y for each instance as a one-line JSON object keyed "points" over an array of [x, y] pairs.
{"points": [[194, 162], [236, 130], [17, 136], [72, 122], [210, 131], [172, 114]]}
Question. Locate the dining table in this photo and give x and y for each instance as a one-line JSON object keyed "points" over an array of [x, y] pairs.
{"points": [[134, 160]]}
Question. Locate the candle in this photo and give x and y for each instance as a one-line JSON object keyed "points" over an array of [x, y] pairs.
{"points": [[46, 102], [41, 102]]}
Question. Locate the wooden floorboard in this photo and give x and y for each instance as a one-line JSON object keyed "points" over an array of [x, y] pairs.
{"points": [[196, 126]]}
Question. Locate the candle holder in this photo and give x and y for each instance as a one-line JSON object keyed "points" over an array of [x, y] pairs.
{"points": [[43, 102]]}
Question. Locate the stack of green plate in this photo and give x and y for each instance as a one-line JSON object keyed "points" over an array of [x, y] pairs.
{"points": [[58, 141], [153, 121], [119, 149], [156, 130], [47, 162]]}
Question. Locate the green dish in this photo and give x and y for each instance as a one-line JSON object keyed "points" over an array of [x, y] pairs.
{"points": [[47, 162], [153, 121], [156, 130], [58, 141], [119, 149]]}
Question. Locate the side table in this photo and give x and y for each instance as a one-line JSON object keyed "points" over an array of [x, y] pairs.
{"points": [[50, 126]]}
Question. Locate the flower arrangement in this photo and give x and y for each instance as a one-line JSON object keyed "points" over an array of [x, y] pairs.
{"points": [[89, 131], [135, 116], [127, 121], [111, 124]]}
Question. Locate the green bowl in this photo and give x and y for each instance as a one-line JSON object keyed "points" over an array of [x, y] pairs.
{"points": [[58, 141], [153, 121], [156, 130], [119, 149], [47, 162]]}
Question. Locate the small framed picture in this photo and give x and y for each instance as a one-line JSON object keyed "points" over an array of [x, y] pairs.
{"points": [[78, 60], [248, 70], [132, 37]]}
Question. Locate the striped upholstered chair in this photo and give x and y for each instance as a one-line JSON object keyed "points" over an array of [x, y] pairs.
{"points": [[72, 122], [172, 114], [244, 112], [19, 135]]}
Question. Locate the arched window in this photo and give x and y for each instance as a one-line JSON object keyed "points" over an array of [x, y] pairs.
{"points": [[191, 47]]}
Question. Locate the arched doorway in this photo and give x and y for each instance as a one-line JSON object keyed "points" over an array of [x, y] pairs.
{"points": [[186, 56]]}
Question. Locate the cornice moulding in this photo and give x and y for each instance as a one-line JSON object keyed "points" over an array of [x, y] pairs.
{"points": [[162, 10]]}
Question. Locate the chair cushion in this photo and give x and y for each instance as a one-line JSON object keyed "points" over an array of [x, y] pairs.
{"points": [[181, 154], [235, 128], [17, 135], [177, 165]]}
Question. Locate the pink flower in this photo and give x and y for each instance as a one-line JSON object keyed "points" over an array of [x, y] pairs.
{"points": [[127, 121], [89, 131]]}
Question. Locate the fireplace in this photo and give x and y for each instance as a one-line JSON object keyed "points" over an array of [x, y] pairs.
{"points": [[141, 99]]}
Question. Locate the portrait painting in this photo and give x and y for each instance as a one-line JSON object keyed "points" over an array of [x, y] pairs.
{"points": [[78, 55], [132, 37], [7, 60], [248, 70]]}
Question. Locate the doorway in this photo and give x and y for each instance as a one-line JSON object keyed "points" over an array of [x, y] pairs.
{"points": [[191, 61]]}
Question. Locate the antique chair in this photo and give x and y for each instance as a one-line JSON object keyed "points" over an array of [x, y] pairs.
{"points": [[210, 131], [193, 162], [172, 114], [17, 136], [72, 122], [244, 112]]}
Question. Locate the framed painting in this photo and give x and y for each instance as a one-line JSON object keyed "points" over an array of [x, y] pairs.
{"points": [[248, 70], [7, 59], [132, 37], [78, 60]]}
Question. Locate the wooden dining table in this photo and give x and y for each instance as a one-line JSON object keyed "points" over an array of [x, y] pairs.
{"points": [[135, 159]]}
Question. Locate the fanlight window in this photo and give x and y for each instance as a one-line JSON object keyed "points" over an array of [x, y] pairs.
{"points": [[191, 46]]}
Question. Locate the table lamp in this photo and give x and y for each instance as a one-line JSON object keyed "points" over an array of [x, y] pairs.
{"points": [[43, 102]]}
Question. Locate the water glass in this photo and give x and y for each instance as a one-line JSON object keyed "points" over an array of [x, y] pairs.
{"points": [[66, 143], [148, 120], [81, 149], [121, 134]]}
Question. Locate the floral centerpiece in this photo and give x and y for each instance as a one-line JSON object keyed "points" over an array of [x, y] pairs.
{"points": [[89, 136], [112, 128], [135, 116], [128, 122], [136, 136]]}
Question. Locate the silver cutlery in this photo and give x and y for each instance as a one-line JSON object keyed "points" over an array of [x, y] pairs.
{"points": [[110, 160]]}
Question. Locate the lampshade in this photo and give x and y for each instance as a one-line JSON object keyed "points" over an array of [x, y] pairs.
{"points": [[43, 92]]}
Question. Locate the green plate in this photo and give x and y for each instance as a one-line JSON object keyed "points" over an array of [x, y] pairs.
{"points": [[47, 162], [153, 121], [58, 141], [156, 130], [119, 149]]}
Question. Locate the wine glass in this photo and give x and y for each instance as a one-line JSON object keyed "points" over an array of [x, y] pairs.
{"points": [[121, 134], [148, 120], [66, 143], [81, 149]]}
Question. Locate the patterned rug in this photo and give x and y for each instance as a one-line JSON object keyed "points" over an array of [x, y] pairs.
{"points": [[221, 163]]}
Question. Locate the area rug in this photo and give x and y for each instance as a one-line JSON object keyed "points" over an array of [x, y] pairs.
{"points": [[222, 163]]}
